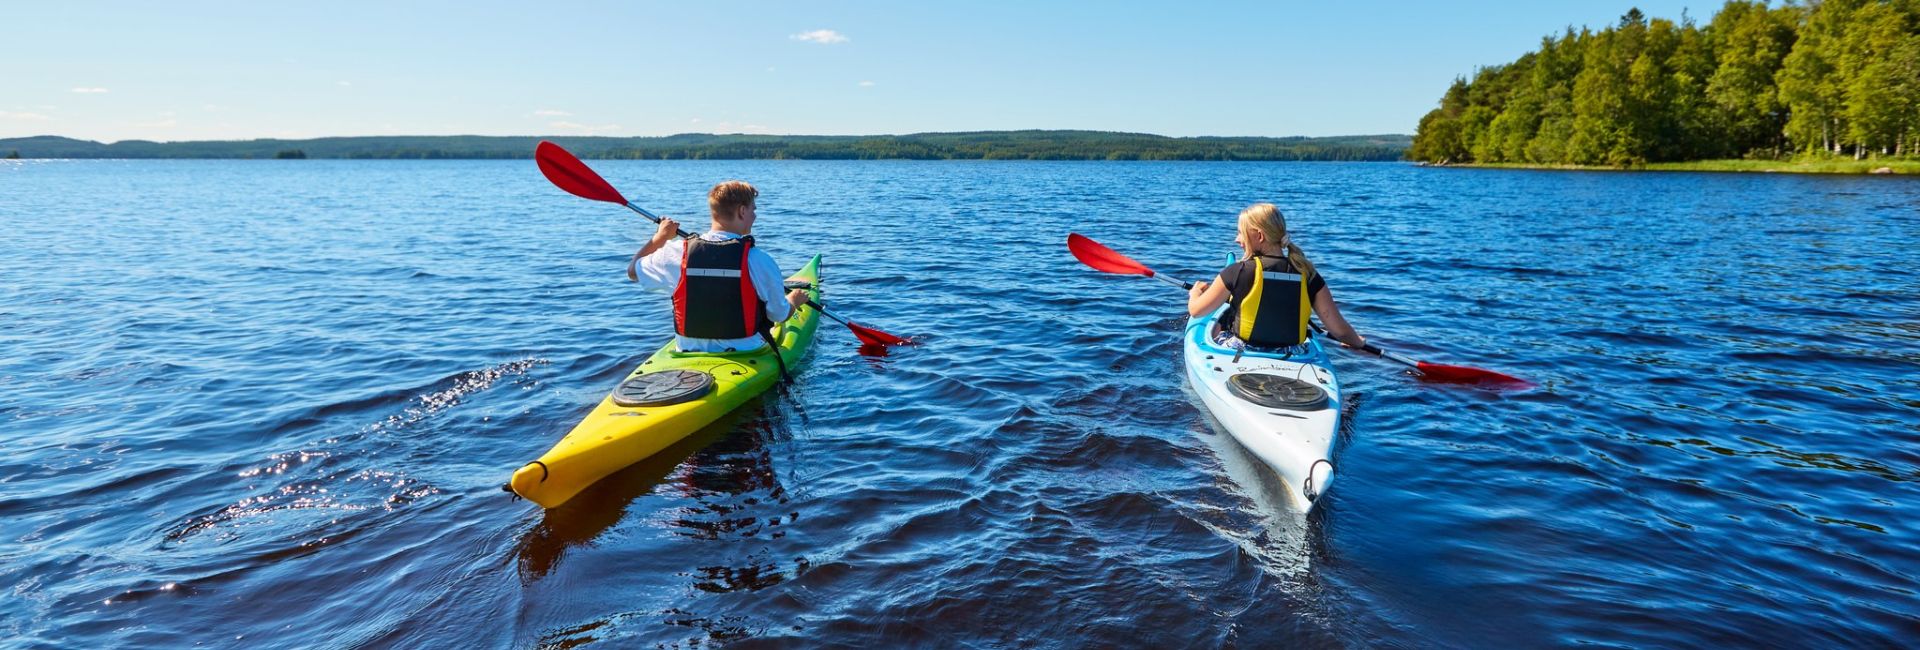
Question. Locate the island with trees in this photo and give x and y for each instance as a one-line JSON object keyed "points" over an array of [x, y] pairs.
{"points": [[1828, 86]]}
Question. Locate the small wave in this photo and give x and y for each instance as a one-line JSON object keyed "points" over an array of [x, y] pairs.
{"points": [[327, 497], [459, 388]]}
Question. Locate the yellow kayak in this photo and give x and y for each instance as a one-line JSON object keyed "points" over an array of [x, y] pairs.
{"points": [[671, 395]]}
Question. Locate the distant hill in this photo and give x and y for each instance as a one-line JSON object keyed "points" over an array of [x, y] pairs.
{"points": [[976, 145]]}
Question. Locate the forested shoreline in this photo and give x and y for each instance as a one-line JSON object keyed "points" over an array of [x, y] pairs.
{"points": [[1827, 79], [980, 145]]}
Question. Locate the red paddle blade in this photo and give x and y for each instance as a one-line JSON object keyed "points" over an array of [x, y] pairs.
{"points": [[1443, 373], [1101, 258], [568, 173], [871, 336]]}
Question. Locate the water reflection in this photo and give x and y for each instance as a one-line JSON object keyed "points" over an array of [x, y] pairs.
{"points": [[725, 469], [718, 486]]}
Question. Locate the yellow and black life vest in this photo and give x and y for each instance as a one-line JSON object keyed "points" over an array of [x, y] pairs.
{"points": [[1269, 304]]}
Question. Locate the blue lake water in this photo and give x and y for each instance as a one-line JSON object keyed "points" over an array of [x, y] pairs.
{"points": [[272, 403]]}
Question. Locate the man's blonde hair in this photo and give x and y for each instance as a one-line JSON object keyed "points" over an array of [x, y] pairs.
{"points": [[730, 196]]}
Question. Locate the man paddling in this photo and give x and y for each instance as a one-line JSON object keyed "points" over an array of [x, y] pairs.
{"points": [[726, 294]]}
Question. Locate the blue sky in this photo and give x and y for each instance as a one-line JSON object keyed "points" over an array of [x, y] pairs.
{"points": [[225, 70]]}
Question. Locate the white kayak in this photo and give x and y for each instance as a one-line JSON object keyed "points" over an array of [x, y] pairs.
{"points": [[1285, 408]]}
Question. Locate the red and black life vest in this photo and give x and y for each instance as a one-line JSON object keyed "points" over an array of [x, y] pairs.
{"points": [[716, 299]]}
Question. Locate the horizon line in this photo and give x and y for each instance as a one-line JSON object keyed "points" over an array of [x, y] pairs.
{"points": [[686, 133]]}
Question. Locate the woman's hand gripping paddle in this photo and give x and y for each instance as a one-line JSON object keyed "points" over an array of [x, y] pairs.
{"points": [[1101, 258]]}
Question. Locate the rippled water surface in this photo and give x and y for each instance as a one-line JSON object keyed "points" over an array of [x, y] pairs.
{"points": [[272, 403]]}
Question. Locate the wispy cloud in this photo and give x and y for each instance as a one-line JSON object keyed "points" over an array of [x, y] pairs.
{"points": [[548, 112], [23, 117], [866, 84], [343, 83], [821, 36], [585, 128], [89, 91]]}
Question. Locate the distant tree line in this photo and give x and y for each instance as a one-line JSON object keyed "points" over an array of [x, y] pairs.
{"points": [[1831, 77], [984, 145]]}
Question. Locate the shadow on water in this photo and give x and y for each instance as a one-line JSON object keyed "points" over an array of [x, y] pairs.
{"points": [[723, 458], [717, 486]]}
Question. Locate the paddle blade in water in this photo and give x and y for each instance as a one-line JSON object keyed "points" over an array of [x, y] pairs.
{"points": [[1442, 373], [871, 336], [1101, 258], [868, 336], [568, 173]]}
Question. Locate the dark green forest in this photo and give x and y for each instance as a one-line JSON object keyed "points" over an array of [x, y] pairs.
{"points": [[981, 145], [1829, 78]]}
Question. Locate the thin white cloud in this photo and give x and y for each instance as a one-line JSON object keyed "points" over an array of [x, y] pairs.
{"points": [[866, 84], [343, 83], [821, 36], [548, 112], [585, 128], [23, 117], [694, 121], [89, 90]]}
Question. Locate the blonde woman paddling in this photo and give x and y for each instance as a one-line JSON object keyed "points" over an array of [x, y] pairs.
{"points": [[1270, 292]]}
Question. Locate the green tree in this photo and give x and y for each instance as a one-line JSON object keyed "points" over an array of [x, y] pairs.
{"points": [[1600, 101], [1697, 129], [1437, 139], [1651, 130], [1553, 76], [1880, 90], [1508, 135], [1750, 43], [1811, 79]]}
